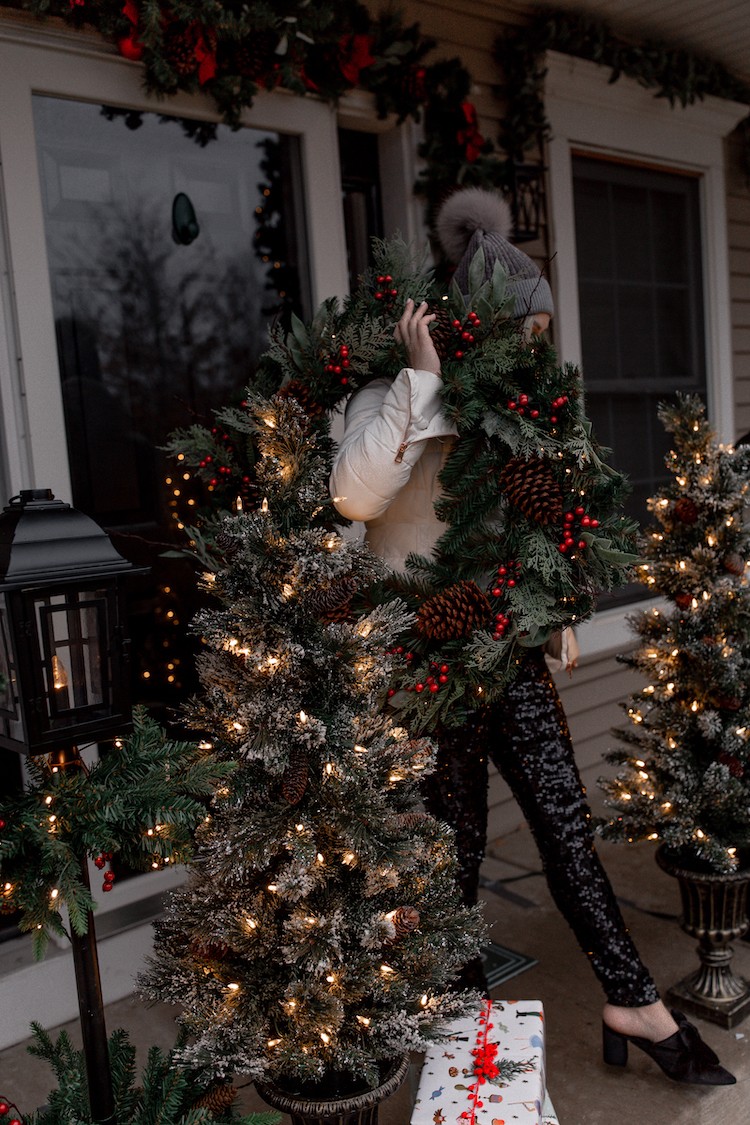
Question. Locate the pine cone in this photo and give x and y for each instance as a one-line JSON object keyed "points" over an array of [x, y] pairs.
{"points": [[333, 602], [734, 765], [405, 919], [686, 509], [457, 612], [734, 563], [254, 56], [302, 394], [442, 331], [294, 781], [179, 50], [411, 819], [210, 950], [217, 1099], [531, 486], [727, 702], [227, 544]]}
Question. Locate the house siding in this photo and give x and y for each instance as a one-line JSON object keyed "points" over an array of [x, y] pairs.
{"points": [[738, 219]]}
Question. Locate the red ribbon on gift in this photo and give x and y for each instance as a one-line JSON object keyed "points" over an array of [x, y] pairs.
{"points": [[470, 137], [485, 1068]]}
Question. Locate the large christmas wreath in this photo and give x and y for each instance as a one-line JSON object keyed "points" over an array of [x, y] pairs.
{"points": [[534, 526]]}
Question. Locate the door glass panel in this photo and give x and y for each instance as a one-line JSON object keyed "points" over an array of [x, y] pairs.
{"points": [[168, 259]]}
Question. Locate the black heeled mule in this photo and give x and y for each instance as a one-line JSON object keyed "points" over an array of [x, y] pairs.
{"points": [[683, 1056]]}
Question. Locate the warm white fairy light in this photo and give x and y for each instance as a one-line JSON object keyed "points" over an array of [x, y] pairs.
{"points": [[251, 923], [233, 987], [331, 978], [320, 858], [48, 800], [54, 893], [264, 505], [325, 1037], [360, 749], [364, 1020], [424, 1000], [273, 887], [273, 1042], [287, 590], [700, 834], [387, 971], [302, 717]]}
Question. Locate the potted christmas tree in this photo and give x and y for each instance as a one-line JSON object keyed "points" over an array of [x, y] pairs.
{"points": [[314, 942], [684, 771]]}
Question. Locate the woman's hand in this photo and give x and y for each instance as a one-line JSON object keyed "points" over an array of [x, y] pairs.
{"points": [[413, 331]]}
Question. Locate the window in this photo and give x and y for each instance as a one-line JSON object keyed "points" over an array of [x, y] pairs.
{"points": [[620, 126], [360, 190], [638, 250]]}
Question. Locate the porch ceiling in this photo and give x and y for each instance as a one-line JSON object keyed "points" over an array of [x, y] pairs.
{"points": [[717, 28]]}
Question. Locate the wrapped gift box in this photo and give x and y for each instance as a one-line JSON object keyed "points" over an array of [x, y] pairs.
{"points": [[490, 1071]]}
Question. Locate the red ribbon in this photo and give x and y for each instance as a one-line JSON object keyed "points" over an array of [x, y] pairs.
{"points": [[485, 1068], [355, 56], [470, 137], [205, 52]]}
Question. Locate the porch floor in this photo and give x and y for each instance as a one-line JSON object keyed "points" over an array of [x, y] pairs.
{"points": [[584, 1091]]}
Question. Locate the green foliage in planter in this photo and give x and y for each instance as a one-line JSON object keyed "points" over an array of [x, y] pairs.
{"points": [[684, 776], [166, 1094], [141, 802]]}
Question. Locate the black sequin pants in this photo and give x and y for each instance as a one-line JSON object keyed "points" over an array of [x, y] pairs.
{"points": [[527, 738]]}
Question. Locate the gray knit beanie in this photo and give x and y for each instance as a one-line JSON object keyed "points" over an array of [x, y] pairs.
{"points": [[473, 219]]}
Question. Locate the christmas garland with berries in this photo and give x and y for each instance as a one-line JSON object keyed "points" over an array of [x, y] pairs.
{"points": [[534, 529], [231, 51]]}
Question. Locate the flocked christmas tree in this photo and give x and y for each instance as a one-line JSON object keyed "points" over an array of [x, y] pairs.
{"points": [[684, 776], [321, 924]]}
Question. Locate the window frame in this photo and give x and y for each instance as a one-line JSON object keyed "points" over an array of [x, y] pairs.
{"points": [[84, 68], [586, 111]]}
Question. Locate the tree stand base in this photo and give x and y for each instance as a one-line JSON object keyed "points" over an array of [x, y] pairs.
{"points": [[726, 1013]]}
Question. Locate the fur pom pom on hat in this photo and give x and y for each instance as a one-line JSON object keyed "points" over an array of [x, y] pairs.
{"points": [[474, 218]]}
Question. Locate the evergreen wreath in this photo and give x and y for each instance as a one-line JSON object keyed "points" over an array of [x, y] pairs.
{"points": [[534, 529], [674, 73]]}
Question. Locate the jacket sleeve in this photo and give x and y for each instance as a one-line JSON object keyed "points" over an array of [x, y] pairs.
{"points": [[387, 424]]}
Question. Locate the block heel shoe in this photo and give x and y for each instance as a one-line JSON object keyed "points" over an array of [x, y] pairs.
{"points": [[683, 1056]]}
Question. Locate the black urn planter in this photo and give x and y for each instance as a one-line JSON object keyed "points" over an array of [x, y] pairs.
{"points": [[359, 1108], [714, 910]]}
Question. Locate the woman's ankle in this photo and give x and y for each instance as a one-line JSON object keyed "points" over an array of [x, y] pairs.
{"points": [[648, 1021]]}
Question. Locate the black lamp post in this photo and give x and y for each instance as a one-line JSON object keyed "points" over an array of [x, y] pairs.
{"points": [[63, 657]]}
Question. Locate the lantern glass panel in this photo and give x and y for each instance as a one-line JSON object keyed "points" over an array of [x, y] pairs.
{"points": [[10, 723], [73, 641]]}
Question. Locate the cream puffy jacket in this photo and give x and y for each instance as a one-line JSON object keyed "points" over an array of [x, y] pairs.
{"points": [[396, 441]]}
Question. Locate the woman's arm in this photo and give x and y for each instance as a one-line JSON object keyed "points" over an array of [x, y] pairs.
{"points": [[387, 424]]}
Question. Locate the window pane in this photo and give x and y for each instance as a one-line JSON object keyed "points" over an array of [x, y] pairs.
{"points": [[641, 310], [168, 259]]}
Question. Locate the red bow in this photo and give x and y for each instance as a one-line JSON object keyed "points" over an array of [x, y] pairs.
{"points": [[354, 56], [205, 52], [470, 137]]}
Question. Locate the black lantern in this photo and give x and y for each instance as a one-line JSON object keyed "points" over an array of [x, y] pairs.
{"points": [[525, 196], [63, 644]]}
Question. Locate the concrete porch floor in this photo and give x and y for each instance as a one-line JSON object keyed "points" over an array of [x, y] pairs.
{"points": [[584, 1091]]}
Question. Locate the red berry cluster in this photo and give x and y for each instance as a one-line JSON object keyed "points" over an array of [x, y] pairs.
{"points": [[570, 538], [101, 861], [223, 471], [465, 331], [386, 292], [339, 364], [2, 823], [437, 678], [6, 1107], [524, 405], [507, 578]]}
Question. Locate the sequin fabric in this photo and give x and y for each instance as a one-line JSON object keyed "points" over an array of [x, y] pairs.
{"points": [[527, 738]]}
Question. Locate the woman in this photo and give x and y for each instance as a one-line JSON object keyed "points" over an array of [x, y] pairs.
{"points": [[386, 473]]}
